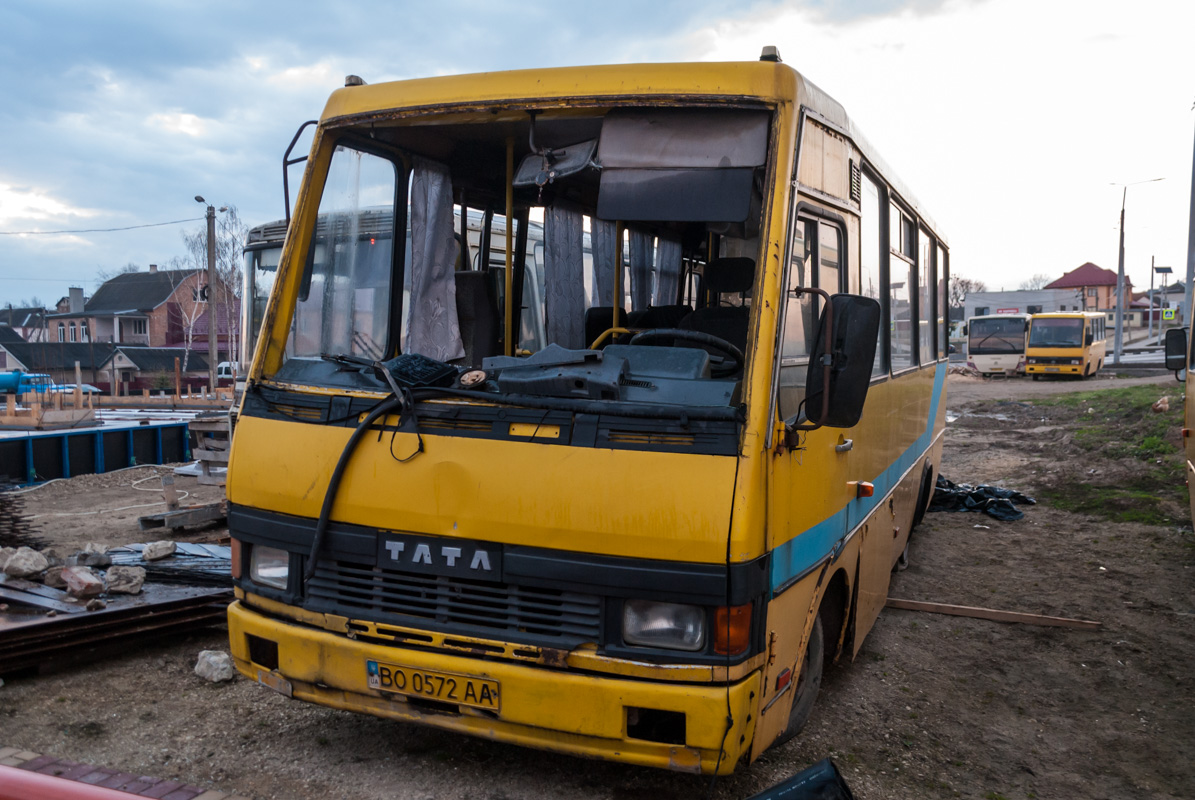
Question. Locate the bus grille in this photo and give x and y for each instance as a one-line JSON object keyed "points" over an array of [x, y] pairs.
{"points": [[521, 614]]}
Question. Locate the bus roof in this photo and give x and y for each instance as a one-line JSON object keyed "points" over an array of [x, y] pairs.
{"points": [[766, 82]]}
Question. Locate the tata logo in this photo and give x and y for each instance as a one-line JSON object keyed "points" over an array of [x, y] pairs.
{"points": [[439, 556]]}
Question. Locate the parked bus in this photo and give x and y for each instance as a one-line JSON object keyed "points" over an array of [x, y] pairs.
{"points": [[643, 538], [1066, 343], [996, 343]]}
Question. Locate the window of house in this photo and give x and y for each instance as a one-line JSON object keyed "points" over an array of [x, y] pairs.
{"points": [[980, 311], [139, 327], [1093, 292], [74, 333], [61, 331], [902, 278], [1033, 309], [84, 334]]}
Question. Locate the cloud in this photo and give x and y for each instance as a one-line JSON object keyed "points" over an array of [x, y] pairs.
{"points": [[176, 122], [25, 204]]}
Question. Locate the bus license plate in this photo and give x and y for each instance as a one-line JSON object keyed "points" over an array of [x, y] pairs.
{"points": [[446, 687], [1052, 369]]}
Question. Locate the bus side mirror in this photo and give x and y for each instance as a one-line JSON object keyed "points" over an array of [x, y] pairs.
{"points": [[1176, 350], [964, 330], [835, 396], [1090, 337]]}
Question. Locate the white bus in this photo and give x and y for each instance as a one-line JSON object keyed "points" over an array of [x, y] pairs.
{"points": [[996, 343]]}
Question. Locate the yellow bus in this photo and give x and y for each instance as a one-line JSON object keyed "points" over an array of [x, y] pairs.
{"points": [[1066, 343], [643, 540]]}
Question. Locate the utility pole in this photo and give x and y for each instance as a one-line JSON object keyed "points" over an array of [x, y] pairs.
{"points": [[1117, 343], [213, 323], [213, 327], [1190, 252], [1150, 330]]}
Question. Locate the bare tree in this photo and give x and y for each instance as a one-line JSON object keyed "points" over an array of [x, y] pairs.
{"points": [[960, 287], [105, 274], [1038, 281]]}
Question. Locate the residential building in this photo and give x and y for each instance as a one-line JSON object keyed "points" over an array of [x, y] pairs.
{"points": [[28, 323], [158, 308], [1039, 301], [1098, 286]]}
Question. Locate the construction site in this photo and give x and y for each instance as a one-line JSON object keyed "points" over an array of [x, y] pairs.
{"points": [[935, 705]]}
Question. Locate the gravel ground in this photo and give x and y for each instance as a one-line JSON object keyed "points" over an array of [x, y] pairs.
{"points": [[933, 707]]}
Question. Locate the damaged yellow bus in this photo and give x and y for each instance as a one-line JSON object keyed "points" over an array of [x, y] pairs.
{"points": [[642, 537]]}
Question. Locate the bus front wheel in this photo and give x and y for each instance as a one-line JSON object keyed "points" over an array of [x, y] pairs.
{"points": [[808, 683]]}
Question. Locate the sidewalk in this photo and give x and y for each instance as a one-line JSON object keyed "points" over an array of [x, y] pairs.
{"points": [[133, 785]]}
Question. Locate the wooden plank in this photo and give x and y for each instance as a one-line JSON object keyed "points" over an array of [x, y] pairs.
{"points": [[186, 516], [169, 493], [203, 454], [994, 614]]}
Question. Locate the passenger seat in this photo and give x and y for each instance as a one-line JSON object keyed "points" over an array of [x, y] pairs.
{"points": [[725, 276]]}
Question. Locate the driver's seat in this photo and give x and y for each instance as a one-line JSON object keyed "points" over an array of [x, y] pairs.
{"points": [[724, 276]]}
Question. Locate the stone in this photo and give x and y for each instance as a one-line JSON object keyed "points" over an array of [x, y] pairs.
{"points": [[157, 550], [26, 562], [82, 582], [53, 556], [215, 666], [94, 547], [53, 578], [125, 580], [95, 604], [85, 559], [5, 554]]}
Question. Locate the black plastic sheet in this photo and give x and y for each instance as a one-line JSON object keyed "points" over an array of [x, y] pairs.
{"points": [[822, 781], [995, 501]]}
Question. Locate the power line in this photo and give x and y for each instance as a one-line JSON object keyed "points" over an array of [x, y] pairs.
{"points": [[101, 230]]}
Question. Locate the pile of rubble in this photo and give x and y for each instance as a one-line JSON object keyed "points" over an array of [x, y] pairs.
{"points": [[84, 575]]}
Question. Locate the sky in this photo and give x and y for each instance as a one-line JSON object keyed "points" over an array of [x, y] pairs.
{"points": [[1014, 122]]}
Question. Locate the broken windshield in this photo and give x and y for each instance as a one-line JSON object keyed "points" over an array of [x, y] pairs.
{"points": [[620, 222]]}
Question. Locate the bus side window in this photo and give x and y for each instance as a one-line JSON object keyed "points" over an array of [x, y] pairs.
{"points": [[870, 256], [816, 261]]}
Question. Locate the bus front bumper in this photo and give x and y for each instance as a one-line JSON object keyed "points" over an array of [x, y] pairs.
{"points": [[1054, 369], [544, 708]]}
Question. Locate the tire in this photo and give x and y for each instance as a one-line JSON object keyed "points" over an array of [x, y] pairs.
{"points": [[1037, 377], [809, 683]]}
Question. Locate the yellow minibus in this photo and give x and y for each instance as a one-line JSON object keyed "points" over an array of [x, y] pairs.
{"points": [[643, 537]]}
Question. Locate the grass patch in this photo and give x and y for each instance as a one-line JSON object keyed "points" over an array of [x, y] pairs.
{"points": [[1125, 461]]}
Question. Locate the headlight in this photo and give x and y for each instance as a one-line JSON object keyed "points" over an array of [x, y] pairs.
{"points": [[269, 566], [668, 625], [1076, 361]]}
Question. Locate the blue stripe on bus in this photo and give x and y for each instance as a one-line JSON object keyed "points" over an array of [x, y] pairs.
{"points": [[806, 550]]}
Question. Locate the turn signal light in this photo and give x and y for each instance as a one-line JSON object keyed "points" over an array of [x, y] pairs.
{"points": [[732, 629], [864, 489]]}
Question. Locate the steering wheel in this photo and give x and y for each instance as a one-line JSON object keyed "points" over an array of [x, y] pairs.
{"points": [[724, 348]]}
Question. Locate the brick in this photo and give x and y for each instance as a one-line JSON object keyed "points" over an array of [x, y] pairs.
{"points": [[118, 781], [140, 785], [100, 774], [77, 771], [8, 752], [10, 762], [58, 768], [212, 794], [161, 790], [26, 755], [185, 793], [34, 764]]}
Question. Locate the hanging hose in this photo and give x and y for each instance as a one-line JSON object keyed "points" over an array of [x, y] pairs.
{"points": [[321, 526]]}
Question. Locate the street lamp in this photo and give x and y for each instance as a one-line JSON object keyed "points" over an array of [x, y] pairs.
{"points": [[212, 322], [1165, 273], [1120, 270]]}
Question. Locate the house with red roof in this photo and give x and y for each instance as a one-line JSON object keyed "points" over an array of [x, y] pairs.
{"points": [[1098, 286]]}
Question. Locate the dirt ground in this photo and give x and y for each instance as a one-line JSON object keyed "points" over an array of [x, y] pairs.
{"points": [[933, 707]]}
